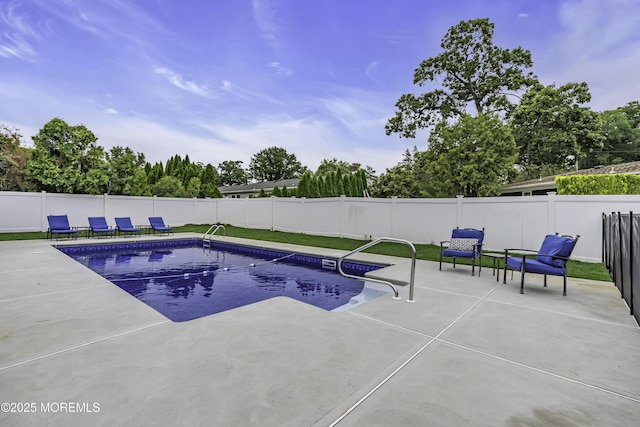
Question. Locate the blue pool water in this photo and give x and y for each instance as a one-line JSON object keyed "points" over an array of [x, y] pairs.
{"points": [[184, 281]]}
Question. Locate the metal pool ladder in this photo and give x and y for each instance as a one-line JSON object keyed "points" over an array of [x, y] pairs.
{"points": [[373, 243], [206, 239]]}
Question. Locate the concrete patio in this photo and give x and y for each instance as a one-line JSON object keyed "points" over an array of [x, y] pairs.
{"points": [[76, 350]]}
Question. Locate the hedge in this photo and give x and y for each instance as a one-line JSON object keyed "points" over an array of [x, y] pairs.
{"points": [[598, 184]]}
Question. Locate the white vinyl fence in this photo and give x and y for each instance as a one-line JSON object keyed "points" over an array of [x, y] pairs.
{"points": [[509, 222]]}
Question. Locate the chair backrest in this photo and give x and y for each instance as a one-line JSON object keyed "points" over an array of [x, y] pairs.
{"points": [[554, 246], [124, 222], [156, 221], [98, 222], [58, 222], [465, 238]]}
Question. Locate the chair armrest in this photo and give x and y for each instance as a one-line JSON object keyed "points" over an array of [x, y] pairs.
{"points": [[524, 253], [520, 252]]}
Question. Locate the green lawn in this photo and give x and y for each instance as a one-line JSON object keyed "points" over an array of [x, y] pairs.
{"points": [[586, 270]]}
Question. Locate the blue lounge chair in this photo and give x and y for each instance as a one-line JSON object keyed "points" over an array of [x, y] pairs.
{"points": [[124, 225], [59, 226], [551, 259], [158, 225], [98, 227], [464, 243]]}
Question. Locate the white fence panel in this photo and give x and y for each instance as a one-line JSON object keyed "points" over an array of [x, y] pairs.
{"points": [[583, 215], [235, 211], [139, 209], [78, 207], [421, 222], [22, 211], [366, 218], [287, 215], [509, 222], [205, 212], [260, 213], [321, 216], [174, 211]]}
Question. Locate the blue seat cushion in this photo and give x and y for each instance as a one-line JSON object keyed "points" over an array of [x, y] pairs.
{"points": [[459, 254], [64, 231], [565, 251], [553, 246], [535, 266], [463, 233]]}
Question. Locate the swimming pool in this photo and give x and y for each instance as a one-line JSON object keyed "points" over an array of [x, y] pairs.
{"points": [[184, 281]]}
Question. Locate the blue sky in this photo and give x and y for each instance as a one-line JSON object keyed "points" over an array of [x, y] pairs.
{"points": [[223, 79]]}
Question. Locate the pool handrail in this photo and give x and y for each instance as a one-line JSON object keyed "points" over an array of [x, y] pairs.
{"points": [[373, 243], [208, 235]]}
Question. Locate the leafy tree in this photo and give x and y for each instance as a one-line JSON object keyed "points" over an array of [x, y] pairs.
{"points": [[285, 191], [333, 165], [406, 179], [620, 129], [472, 72], [553, 128], [13, 160], [274, 164], [125, 171], [472, 157], [632, 113], [208, 182], [231, 173], [62, 156], [364, 180], [193, 187], [154, 173], [169, 186], [96, 181], [304, 185], [276, 191]]}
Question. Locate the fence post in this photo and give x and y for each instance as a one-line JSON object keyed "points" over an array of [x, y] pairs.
{"points": [[343, 198], [620, 237], [273, 211], [631, 262], [44, 224], [392, 216], [551, 211], [459, 216]]}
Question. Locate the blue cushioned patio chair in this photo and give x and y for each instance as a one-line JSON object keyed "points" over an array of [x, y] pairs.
{"points": [[98, 227], [158, 225], [59, 226], [551, 259], [464, 243], [124, 225]]}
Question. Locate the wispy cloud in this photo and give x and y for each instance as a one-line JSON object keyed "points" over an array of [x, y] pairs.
{"points": [[178, 81], [265, 15], [599, 44], [523, 15], [246, 94], [14, 41], [280, 69], [371, 70]]}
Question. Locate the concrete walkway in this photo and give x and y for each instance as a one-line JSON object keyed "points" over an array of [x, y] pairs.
{"points": [[75, 350]]}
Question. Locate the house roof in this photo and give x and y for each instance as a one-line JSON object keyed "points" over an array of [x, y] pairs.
{"points": [[548, 182], [255, 187]]}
